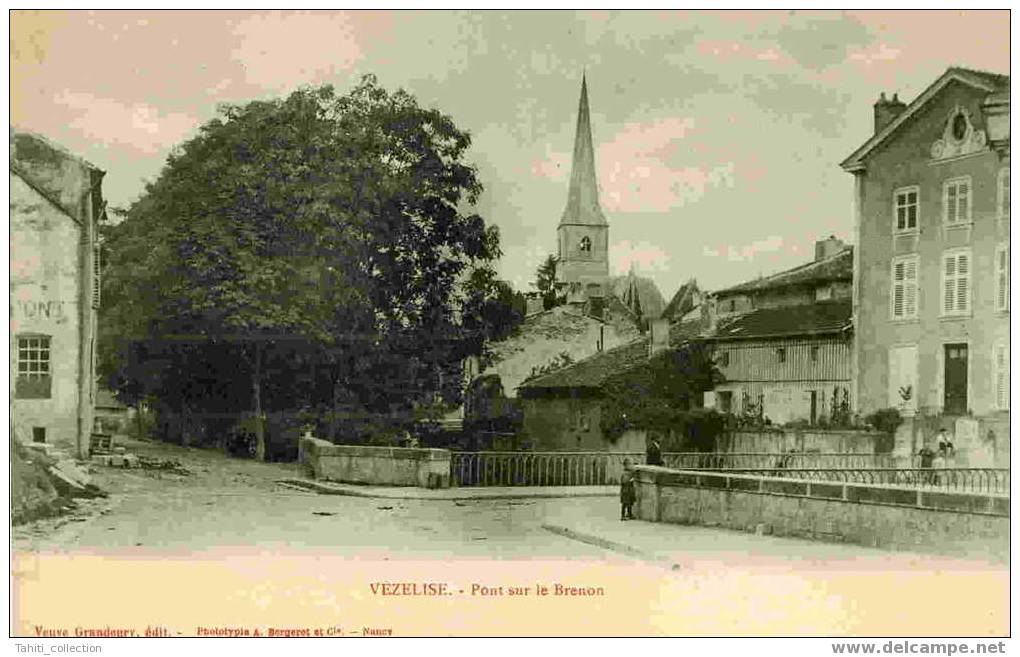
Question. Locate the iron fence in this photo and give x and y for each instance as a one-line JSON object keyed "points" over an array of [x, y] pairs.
{"points": [[518, 468], [539, 468], [969, 480], [785, 460]]}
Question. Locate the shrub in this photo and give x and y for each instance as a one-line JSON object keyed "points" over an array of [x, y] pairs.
{"points": [[886, 420]]}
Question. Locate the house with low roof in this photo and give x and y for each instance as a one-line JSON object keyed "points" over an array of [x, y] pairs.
{"points": [[562, 409], [783, 342]]}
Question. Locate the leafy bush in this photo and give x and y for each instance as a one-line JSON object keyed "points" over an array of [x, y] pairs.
{"points": [[886, 420]]}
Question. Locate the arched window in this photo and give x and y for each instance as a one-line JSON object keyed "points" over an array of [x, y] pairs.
{"points": [[585, 244]]}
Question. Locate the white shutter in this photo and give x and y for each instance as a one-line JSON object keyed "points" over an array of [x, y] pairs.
{"points": [[910, 288], [897, 289], [1001, 368], [956, 283], [1002, 278], [962, 283], [949, 283]]}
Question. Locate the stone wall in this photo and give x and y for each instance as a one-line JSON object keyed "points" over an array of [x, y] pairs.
{"points": [[381, 466], [960, 524], [844, 441]]}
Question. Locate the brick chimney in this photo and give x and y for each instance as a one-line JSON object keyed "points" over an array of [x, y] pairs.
{"points": [[828, 247], [886, 111], [658, 336]]}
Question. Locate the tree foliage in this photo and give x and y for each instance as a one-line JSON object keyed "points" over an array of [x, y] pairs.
{"points": [[664, 395], [311, 250], [545, 281]]}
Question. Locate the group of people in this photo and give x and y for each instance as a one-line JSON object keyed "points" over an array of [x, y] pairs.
{"points": [[936, 460]]}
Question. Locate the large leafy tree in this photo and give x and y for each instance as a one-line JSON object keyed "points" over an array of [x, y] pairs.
{"points": [[316, 244]]}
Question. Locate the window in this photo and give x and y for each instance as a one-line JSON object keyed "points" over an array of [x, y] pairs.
{"points": [[1000, 365], [956, 283], [905, 203], [585, 244], [1004, 193], [1002, 277], [903, 296], [33, 367], [38, 434], [956, 201], [724, 359], [732, 305], [95, 276], [781, 355], [814, 354]]}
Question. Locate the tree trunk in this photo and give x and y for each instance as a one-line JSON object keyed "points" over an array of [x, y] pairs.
{"points": [[256, 389]]}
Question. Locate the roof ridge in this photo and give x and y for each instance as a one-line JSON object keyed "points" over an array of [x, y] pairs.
{"points": [[791, 270]]}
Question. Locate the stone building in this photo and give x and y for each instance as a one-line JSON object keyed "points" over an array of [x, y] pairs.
{"points": [[782, 342], [931, 296], [562, 409], [55, 203]]}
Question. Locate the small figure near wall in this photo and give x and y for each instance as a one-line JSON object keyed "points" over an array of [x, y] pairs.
{"points": [[628, 493], [653, 455]]}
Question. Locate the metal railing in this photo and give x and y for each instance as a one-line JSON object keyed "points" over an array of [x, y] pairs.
{"points": [[518, 468], [539, 468], [759, 460], [968, 480]]}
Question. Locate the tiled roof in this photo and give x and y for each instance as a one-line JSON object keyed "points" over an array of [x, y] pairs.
{"points": [[810, 319], [683, 301], [593, 372], [834, 268]]}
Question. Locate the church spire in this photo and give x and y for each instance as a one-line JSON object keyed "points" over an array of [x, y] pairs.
{"points": [[583, 196]]}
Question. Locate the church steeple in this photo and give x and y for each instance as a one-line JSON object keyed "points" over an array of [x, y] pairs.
{"points": [[583, 196]]}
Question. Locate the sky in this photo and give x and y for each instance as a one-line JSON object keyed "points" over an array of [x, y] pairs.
{"points": [[718, 135]]}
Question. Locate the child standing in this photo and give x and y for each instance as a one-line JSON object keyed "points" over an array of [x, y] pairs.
{"points": [[628, 494]]}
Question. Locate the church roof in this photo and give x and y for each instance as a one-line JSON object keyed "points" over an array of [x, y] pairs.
{"points": [[583, 195], [635, 290], [684, 301]]}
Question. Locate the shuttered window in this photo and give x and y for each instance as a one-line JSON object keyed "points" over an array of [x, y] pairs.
{"points": [[905, 208], [95, 276], [1000, 366], [904, 287], [956, 283], [956, 201], [1002, 277]]}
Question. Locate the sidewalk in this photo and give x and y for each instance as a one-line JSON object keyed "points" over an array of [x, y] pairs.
{"points": [[468, 493]]}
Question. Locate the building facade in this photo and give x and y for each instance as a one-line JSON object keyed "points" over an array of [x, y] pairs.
{"points": [[931, 299], [783, 343], [55, 203]]}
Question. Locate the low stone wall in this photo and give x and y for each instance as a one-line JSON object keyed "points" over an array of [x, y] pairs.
{"points": [[971, 525], [830, 441], [381, 466]]}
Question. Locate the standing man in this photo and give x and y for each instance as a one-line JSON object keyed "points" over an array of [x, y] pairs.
{"points": [[653, 455]]}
